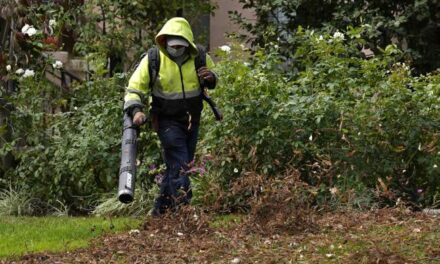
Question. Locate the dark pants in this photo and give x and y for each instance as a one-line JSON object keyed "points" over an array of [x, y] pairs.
{"points": [[179, 146]]}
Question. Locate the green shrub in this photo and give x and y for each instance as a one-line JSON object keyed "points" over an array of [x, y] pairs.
{"points": [[341, 120], [68, 144], [365, 127]]}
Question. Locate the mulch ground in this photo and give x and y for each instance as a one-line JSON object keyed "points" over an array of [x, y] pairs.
{"points": [[380, 236]]}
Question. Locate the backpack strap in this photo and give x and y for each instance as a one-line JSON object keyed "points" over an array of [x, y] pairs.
{"points": [[200, 60], [153, 65], [154, 62]]}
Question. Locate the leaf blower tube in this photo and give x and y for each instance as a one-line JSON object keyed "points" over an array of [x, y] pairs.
{"points": [[127, 172]]}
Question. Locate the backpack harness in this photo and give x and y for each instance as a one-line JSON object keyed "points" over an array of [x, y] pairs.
{"points": [[154, 62], [199, 61]]}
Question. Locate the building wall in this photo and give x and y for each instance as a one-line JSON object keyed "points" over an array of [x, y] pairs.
{"points": [[220, 23]]}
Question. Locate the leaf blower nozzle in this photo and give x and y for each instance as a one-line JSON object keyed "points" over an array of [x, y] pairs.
{"points": [[127, 172]]}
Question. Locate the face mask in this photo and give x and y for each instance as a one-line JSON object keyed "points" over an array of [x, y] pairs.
{"points": [[175, 52]]}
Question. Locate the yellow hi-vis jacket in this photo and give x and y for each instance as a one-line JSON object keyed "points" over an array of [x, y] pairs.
{"points": [[176, 91]]}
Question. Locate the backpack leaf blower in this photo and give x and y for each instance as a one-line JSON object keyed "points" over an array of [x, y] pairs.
{"points": [[127, 172]]}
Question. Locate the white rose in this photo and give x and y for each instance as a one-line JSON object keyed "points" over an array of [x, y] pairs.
{"points": [[31, 31], [8, 67], [25, 28], [28, 73], [19, 71], [52, 22], [226, 48], [338, 35], [57, 65]]}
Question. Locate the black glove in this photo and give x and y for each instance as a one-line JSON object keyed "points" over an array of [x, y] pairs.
{"points": [[206, 77]]}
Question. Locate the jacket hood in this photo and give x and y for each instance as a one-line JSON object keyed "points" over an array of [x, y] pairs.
{"points": [[176, 26]]}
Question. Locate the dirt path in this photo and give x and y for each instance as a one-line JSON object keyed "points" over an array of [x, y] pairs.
{"points": [[381, 236]]}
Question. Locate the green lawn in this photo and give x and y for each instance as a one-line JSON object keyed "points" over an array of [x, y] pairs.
{"points": [[20, 235]]}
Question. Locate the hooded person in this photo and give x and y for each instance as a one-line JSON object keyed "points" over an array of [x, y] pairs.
{"points": [[176, 106]]}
